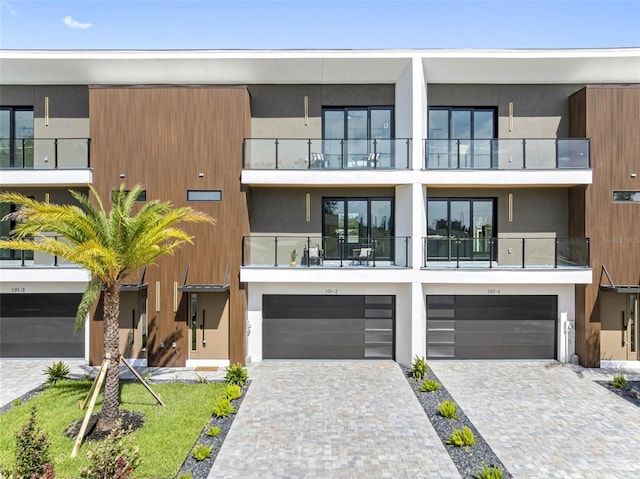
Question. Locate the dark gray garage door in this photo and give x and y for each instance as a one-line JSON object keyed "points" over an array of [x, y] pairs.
{"points": [[328, 327], [491, 327], [39, 325]]}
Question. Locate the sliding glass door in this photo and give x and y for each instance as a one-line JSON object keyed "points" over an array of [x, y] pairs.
{"points": [[16, 137], [460, 228], [353, 223]]}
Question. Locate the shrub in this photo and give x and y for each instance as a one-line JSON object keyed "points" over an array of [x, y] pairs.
{"points": [[113, 458], [236, 374], [448, 409], [418, 369], [619, 382], [16, 402], [32, 450], [232, 391], [201, 379], [58, 371], [201, 452], [214, 431], [462, 437], [489, 472], [429, 385], [223, 407], [186, 476]]}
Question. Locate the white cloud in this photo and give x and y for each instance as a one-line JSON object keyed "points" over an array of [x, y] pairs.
{"points": [[8, 6], [71, 23]]}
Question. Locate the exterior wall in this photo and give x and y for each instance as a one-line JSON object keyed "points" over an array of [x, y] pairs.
{"points": [[283, 210], [539, 111], [609, 116], [277, 111], [164, 138]]}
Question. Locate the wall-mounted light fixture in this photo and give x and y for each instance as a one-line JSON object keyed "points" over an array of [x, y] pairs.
{"points": [[308, 207], [46, 111], [47, 197], [157, 296], [510, 214], [633, 175], [122, 175], [510, 116], [200, 175], [175, 296], [306, 110]]}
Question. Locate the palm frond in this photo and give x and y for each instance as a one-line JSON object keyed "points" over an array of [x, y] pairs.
{"points": [[89, 297]]}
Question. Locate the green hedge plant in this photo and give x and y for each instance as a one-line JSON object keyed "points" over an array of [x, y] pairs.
{"points": [[429, 385], [448, 409], [236, 374], [462, 437], [418, 368]]}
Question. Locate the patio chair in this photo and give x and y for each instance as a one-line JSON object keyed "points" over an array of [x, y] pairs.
{"points": [[313, 256], [318, 161], [365, 256]]}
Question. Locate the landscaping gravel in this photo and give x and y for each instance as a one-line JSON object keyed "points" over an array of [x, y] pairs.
{"points": [[631, 393], [200, 469], [469, 462]]}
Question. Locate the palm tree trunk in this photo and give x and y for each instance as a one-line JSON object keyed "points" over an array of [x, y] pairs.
{"points": [[111, 397]]}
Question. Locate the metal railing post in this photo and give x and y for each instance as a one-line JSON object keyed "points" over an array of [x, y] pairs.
{"points": [[308, 251], [458, 253], [524, 154], [276, 251], [244, 159], [341, 154], [555, 255], [309, 153], [55, 153], [341, 249], [243, 246], [491, 253], [88, 152], [523, 247], [276, 154], [23, 159], [373, 243]]}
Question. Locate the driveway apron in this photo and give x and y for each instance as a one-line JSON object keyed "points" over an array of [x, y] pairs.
{"points": [[547, 420], [331, 419]]}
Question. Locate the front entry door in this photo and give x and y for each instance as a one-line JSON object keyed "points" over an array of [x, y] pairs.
{"points": [[209, 326]]}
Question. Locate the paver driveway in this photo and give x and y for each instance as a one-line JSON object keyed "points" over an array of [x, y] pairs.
{"points": [[548, 420], [331, 419]]}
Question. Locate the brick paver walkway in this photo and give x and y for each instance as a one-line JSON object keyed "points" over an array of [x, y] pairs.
{"points": [[548, 420], [331, 419]]}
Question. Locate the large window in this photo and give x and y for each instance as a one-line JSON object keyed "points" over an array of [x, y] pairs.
{"points": [[16, 137], [460, 227], [353, 137], [461, 137], [351, 223]]}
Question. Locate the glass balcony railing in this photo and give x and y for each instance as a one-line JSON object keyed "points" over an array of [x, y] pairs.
{"points": [[507, 154], [325, 251], [505, 252], [303, 154], [45, 153], [10, 258]]}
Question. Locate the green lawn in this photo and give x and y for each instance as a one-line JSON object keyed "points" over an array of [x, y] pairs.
{"points": [[165, 440]]}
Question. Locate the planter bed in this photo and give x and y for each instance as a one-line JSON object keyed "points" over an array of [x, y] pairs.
{"points": [[631, 393], [468, 462]]}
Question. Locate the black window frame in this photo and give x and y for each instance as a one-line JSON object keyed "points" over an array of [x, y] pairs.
{"points": [[12, 131]]}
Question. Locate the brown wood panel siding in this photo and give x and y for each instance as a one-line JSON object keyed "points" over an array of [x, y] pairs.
{"points": [[610, 116], [164, 137]]}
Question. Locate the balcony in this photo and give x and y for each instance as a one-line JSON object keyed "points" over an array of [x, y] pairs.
{"points": [[508, 154], [505, 253], [10, 259], [313, 252], [324, 154], [45, 161]]}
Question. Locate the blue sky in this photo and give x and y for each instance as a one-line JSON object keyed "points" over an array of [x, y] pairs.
{"points": [[257, 24]]}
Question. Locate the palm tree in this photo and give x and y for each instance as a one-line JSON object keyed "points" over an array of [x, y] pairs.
{"points": [[110, 246]]}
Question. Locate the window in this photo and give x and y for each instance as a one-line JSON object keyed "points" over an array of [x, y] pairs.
{"points": [[16, 137], [142, 196], [204, 195], [461, 137], [469, 220], [350, 223], [351, 135], [626, 196]]}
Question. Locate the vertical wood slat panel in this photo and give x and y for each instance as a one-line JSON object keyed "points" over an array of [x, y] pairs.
{"points": [[609, 116], [164, 137]]}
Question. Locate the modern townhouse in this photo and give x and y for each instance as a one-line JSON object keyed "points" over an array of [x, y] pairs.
{"points": [[369, 204]]}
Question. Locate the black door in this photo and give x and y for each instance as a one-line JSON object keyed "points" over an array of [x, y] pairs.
{"points": [[40, 325], [328, 327], [491, 327]]}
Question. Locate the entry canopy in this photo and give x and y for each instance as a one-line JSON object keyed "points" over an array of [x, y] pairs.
{"points": [[134, 287], [205, 288], [617, 288]]}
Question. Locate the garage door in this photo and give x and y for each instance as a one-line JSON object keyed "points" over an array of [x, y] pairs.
{"points": [[328, 327], [491, 327], [39, 325]]}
